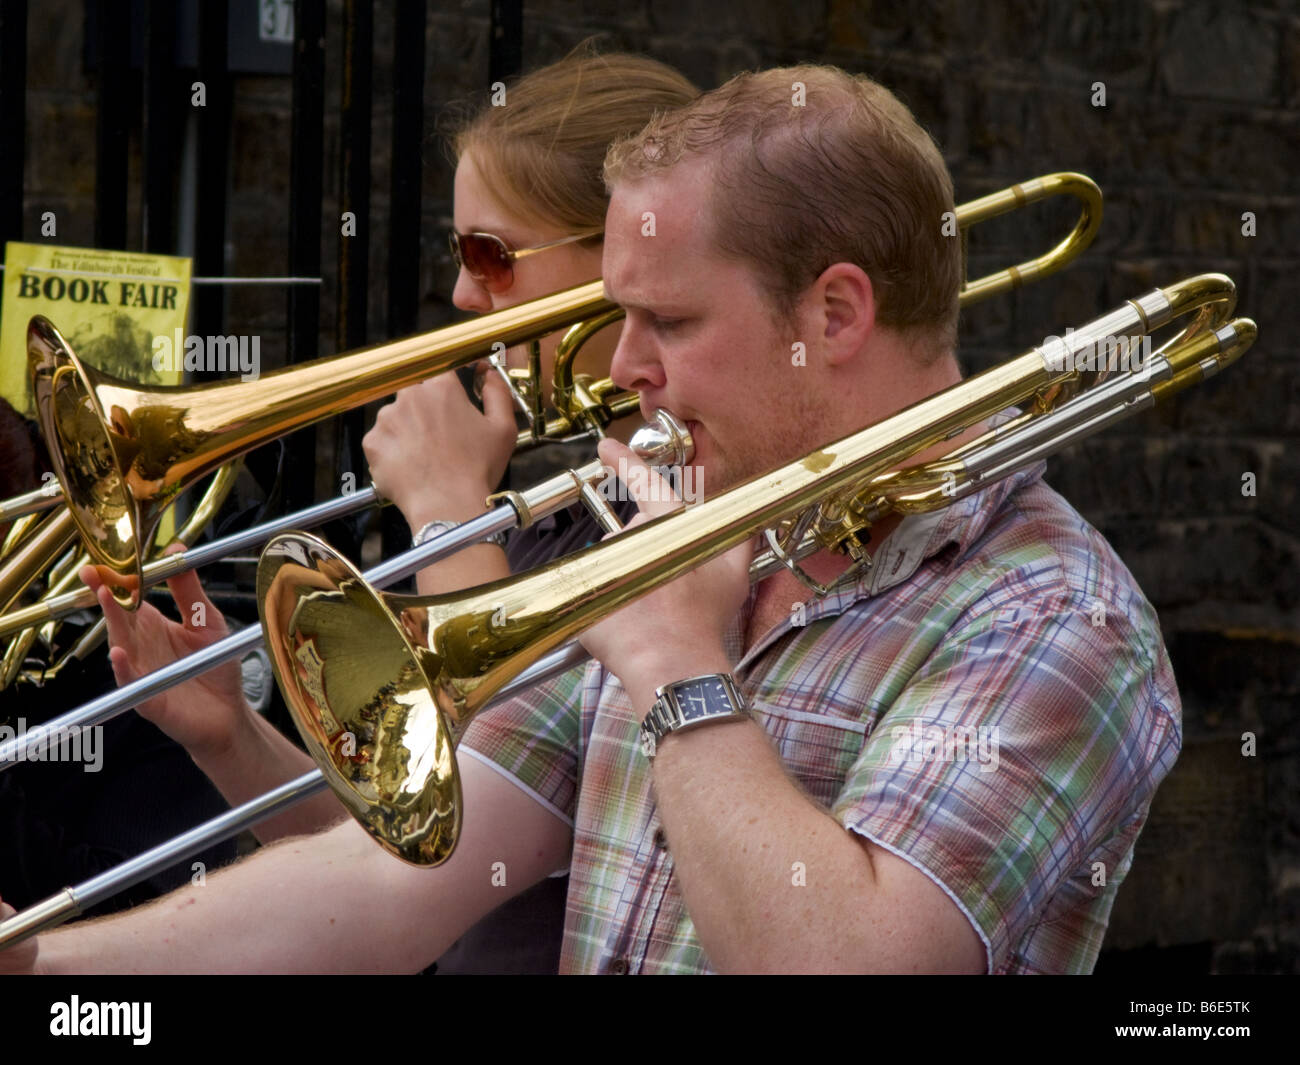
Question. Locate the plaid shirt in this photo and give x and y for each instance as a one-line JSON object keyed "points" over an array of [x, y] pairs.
{"points": [[992, 702]]}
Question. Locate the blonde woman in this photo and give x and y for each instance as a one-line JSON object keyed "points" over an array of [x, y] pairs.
{"points": [[529, 218]]}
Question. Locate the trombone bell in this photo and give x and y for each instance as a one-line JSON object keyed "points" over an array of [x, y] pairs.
{"points": [[360, 692], [85, 451]]}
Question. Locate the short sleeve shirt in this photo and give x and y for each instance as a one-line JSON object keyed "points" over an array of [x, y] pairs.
{"points": [[992, 702]]}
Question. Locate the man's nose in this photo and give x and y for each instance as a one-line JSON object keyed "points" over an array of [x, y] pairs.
{"points": [[635, 365]]}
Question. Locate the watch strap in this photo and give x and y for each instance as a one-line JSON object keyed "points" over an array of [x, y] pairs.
{"points": [[436, 528], [689, 703]]}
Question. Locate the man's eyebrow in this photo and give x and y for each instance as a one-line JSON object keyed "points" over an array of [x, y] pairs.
{"points": [[666, 305]]}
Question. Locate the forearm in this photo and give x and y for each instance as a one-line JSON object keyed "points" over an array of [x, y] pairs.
{"points": [[304, 905], [261, 758], [770, 880], [768, 877], [334, 902], [476, 564]]}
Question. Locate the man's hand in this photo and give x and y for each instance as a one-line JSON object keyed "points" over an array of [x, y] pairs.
{"points": [[435, 455], [20, 958], [677, 630], [203, 714]]}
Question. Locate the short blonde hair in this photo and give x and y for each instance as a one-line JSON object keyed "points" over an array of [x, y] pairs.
{"points": [[541, 154], [811, 166]]}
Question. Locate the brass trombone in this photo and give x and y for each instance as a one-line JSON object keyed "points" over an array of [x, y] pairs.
{"points": [[402, 675], [126, 466], [582, 408], [123, 453], [581, 403], [186, 459], [40, 621], [381, 685]]}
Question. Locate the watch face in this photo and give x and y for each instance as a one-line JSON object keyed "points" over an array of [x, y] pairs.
{"points": [[704, 698]]}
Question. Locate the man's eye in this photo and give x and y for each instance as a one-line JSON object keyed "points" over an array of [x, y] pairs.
{"points": [[667, 325]]}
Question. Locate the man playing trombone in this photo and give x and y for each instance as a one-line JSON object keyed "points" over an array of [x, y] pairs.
{"points": [[766, 779]]}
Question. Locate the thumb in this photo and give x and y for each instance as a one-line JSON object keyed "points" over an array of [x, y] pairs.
{"points": [[498, 403], [22, 957]]}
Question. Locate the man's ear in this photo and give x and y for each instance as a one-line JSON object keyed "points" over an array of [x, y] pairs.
{"points": [[847, 306]]}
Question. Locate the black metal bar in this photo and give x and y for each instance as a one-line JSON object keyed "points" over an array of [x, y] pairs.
{"points": [[407, 168], [354, 174], [506, 39], [214, 118], [13, 116], [112, 126], [351, 319], [306, 163], [404, 200], [160, 140]]}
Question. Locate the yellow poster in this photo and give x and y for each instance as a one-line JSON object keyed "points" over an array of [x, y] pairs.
{"points": [[109, 306]]}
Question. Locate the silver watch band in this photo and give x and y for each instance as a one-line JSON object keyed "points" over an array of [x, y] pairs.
{"points": [[436, 528], [688, 703]]}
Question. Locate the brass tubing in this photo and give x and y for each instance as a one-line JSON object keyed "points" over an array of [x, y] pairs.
{"points": [[55, 532], [123, 453], [399, 677]]}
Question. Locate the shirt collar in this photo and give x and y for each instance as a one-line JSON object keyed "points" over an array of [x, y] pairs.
{"points": [[916, 538], [922, 536]]}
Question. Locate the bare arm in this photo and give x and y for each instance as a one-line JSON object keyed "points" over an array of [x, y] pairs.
{"points": [[774, 884], [335, 902]]}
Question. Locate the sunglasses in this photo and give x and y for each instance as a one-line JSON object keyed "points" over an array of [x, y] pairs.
{"points": [[490, 260]]}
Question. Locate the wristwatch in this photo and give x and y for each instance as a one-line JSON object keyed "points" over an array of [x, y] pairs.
{"points": [[436, 528], [686, 703]]}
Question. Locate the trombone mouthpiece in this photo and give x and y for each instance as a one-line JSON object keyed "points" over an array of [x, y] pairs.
{"points": [[663, 441]]}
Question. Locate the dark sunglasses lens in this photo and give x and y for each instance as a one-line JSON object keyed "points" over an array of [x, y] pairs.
{"points": [[486, 259]]}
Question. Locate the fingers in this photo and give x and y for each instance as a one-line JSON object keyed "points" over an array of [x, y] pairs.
{"points": [[196, 610], [121, 628], [120, 660], [90, 578]]}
